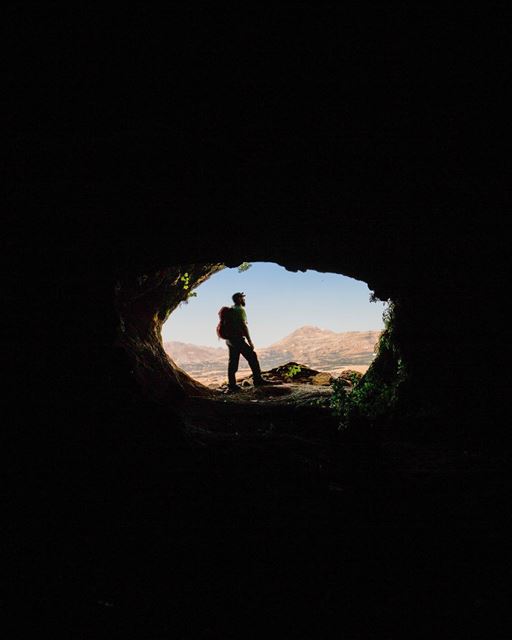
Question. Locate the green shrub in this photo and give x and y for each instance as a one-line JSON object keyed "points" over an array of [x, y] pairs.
{"points": [[375, 395], [292, 371]]}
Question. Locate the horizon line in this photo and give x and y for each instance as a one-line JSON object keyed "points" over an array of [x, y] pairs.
{"points": [[194, 344]]}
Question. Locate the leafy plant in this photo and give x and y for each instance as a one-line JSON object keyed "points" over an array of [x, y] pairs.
{"points": [[244, 266], [339, 402], [354, 377], [375, 394], [185, 279], [292, 371]]}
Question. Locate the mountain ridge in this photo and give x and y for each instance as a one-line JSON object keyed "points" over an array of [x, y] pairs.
{"points": [[322, 349]]}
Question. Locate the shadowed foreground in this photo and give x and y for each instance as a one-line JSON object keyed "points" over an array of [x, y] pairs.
{"points": [[266, 521]]}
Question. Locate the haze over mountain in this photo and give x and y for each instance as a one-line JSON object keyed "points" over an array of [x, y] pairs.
{"points": [[318, 348]]}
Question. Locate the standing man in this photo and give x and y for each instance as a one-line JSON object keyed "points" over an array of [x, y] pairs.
{"points": [[237, 345]]}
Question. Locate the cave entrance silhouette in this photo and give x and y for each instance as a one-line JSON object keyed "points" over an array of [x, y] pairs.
{"points": [[326, 321], [146, 301]]}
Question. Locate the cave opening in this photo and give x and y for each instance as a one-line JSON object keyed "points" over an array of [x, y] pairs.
{"points": [[322, 320], [145, 304], [166, 145]]}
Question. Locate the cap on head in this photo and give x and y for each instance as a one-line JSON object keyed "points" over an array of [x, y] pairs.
{"points": [[237, 296]]}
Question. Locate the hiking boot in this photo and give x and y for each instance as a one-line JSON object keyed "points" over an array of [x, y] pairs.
{"points": [[234, 387], [260, 383]]}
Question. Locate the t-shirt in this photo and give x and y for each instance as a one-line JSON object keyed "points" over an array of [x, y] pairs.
{"points": [[239, 319]]}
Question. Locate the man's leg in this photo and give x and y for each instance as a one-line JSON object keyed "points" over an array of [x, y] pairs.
{"points": [[250, 355], [234, 359]]}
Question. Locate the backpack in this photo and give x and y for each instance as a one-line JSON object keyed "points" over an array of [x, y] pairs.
{"points": [[225, 326]]}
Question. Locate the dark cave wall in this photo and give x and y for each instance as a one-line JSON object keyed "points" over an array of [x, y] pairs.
{"points": [[432, 284], [345, 176], [143, 304], [332, 144], [159, 214]]}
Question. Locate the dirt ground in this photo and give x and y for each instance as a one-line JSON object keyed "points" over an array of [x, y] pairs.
{"points": [[280, 394], [214, 379]]}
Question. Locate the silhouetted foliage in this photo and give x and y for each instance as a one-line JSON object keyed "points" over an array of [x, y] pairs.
{"points": [[374, 395]]}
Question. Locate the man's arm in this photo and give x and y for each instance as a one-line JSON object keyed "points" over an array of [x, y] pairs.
{"points": [[245, 329], [246, 334]]}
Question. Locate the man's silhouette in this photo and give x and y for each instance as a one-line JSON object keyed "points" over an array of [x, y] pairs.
{"points": [[239, 333]]}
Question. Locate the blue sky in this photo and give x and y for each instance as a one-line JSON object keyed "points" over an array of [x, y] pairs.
{"points": [[277, 302]]}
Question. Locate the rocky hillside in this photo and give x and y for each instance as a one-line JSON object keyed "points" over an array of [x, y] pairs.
{"points": [[321, 348], [184, 353], [318, 348]]}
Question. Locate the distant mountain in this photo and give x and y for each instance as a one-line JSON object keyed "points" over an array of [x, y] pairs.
{"points": [[320, 349], [183, 353]]}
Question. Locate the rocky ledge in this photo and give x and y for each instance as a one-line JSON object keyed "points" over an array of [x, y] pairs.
{"points": [[291, 384]]}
